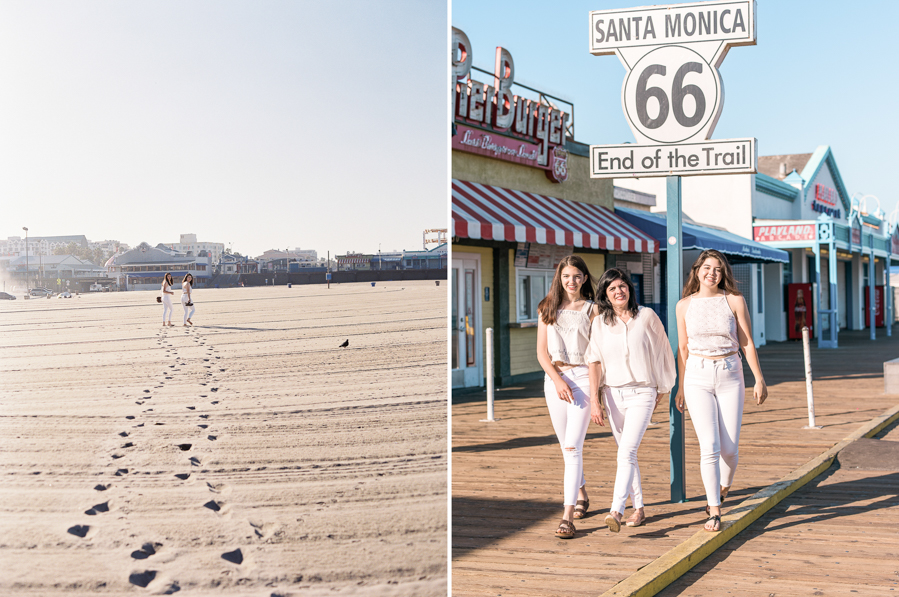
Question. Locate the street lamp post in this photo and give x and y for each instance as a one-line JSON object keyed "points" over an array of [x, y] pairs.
{"points": [[26, 258]]}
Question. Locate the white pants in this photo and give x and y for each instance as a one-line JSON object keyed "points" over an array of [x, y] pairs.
{"points": [[714, 391], [167, 307], [188, 311], [630, 410], [570, 421]]}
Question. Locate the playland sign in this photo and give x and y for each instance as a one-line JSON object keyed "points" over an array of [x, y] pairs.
{"points": [[673, 94]]}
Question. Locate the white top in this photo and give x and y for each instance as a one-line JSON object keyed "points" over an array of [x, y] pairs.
{"points": [[636, 353], [185, 288], [165, 285], [711, 327], [566, 340]]}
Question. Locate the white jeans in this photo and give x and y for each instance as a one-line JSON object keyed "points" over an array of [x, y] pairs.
{"points": [[188, 311], [630, 410], [570, 421], [167, 307], [714, 391]]}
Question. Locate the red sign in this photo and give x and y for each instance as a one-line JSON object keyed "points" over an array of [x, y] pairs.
{"points": [[799, 310], [878, 306], [825, 195], [531, 124], [857, 236], [783, 233], [496, 146]]}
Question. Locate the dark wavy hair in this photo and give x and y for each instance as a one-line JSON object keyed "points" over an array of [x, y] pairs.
{"points": [[191, 279], [728, 283], [549, 306], [606, 310]]}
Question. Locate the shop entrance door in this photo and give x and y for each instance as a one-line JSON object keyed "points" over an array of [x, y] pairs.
{"points": [[465, 357]]}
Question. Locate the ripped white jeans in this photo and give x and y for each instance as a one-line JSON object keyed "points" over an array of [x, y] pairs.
{"points": [[630, 410], [714, 391], [570, 421]]}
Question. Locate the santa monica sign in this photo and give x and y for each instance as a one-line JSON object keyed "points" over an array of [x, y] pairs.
{"points": [[673, 93]]}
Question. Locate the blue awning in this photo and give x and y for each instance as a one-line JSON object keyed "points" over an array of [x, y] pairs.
{"points": [[742, 250]]}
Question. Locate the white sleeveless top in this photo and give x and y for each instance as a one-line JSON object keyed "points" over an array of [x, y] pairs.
{"points": [[711, 327], [567, 339]]}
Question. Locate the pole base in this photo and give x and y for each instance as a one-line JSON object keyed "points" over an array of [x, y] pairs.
{"points": [[489, 420], [812, 427]]}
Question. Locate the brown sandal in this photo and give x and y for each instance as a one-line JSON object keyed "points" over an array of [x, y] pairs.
{"points": [[581, 507], [566, 530], [613, 523]]}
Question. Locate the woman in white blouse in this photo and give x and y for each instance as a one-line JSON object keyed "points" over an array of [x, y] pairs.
{"points": [[563, 329], [712, 325], [632, 366]]}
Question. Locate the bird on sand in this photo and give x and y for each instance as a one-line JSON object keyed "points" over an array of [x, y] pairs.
{"points": [[345, 344]]}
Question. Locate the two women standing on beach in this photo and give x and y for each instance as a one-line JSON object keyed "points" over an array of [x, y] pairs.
{"points": [[630, 367], [168, 284]]}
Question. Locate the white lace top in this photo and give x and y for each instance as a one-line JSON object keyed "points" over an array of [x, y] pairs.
{"points": [[567, 339], [636, 353], [711, 327]]}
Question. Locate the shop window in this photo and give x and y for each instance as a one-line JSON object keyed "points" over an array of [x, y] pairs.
{"points": [[532, 287], [758, 279]]}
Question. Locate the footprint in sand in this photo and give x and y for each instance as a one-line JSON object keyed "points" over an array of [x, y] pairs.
{"points": [[146, 550], [195, 461], [185, 447], [120, 472], [142, 579], [81, 530], [183, 476], [124, 434], [98, 509], [211, 438], [102, 487], [219, 507], [221, 488], [235, 557], [263, 530]]}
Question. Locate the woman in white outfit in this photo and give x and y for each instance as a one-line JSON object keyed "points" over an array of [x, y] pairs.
{"points": [[563, 328], [712, 325], [167, 292], [632, 368], [186, 301]]}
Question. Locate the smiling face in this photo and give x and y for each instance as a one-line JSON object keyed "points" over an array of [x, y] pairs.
{"points": [[572, 279], [618, 294], [710, 273]]}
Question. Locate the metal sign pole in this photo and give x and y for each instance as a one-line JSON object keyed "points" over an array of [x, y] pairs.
{"points": [[674, 260], [872, 287]]}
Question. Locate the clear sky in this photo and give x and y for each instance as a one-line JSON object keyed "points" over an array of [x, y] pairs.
{"points": [[822, 73], [275, 124]]}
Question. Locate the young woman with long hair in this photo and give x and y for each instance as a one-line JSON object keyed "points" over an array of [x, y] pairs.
{"points": [[713, 324], [186, 285], [167, 292], [631, 369], [563, 330]]}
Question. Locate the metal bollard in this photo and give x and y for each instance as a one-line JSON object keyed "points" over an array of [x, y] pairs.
{"points": [[808, 381], [489, 375]]}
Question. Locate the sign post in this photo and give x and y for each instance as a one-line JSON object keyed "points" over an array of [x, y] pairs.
{"points": [[672, 97]]}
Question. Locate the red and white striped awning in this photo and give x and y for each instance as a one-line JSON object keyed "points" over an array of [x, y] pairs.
{"points": [[492, 213]]}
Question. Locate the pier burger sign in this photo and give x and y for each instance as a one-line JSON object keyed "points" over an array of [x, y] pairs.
{"points": [[673, 93], [532, 132]]}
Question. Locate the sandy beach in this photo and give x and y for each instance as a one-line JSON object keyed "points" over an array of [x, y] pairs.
{"points": [[248, 455]]}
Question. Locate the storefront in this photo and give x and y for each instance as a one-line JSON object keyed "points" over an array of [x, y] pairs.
{"points": [[797, 203], [747, 257], [522, 199]]}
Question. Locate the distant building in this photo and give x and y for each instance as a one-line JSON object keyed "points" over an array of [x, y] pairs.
{"points": [[60, 272], [190, 247], [143, 268], [430, 259]]}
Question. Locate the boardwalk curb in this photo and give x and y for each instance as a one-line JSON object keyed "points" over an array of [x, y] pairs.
{"points": [[670, 566]]}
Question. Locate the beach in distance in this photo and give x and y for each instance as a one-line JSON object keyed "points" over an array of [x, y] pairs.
{"points": [[249, 454]]}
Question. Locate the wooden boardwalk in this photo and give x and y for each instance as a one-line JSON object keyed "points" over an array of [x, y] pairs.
{"points": [[506, 476], [835, 536]]}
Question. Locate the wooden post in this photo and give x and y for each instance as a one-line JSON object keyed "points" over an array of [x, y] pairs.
{"points": [[489, 375], [808, 380]]}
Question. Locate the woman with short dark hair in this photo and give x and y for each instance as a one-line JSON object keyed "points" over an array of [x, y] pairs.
{"points": [[631, 369]]}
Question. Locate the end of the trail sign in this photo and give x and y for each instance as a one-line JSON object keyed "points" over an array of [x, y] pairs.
{"points": [[722, 156]]}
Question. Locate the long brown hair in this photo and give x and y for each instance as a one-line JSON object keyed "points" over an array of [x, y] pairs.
{"points": [[549, 306], [728, 283], [191, 279]]}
